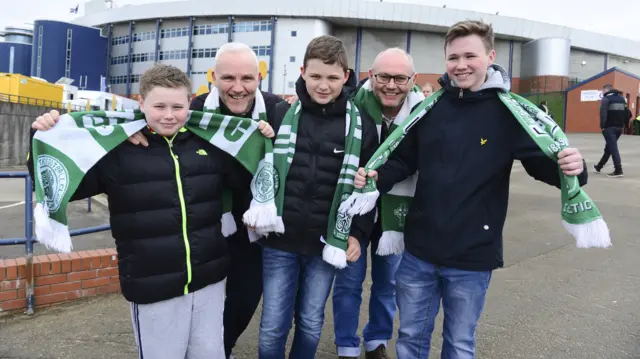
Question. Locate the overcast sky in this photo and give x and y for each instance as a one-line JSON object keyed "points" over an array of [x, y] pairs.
{"points": [[620, 18]]}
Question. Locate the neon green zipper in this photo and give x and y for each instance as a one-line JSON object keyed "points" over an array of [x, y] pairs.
{"points": [[183, 208]]}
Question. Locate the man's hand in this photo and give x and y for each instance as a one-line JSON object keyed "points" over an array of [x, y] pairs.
{"points": [[138, 139], [361, 177], [266, 130], [353, 249], [292, 99], [46, 121], [570, 161]]}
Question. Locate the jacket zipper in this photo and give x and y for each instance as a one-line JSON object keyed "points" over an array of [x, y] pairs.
{"points": [[183, 210], [460, 95]]}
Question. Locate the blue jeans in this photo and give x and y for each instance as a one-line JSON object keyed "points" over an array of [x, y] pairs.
{"points": [[293, 284], [347, 297], [421, 286]]}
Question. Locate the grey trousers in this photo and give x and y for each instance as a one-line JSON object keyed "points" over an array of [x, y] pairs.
{"points": [[185, 327]]}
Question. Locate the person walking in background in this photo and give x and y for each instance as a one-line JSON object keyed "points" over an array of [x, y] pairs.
{"points": [[613, 118], [545, 107]]}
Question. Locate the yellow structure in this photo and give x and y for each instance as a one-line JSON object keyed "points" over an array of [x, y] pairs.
{"points": [[27, 90]]}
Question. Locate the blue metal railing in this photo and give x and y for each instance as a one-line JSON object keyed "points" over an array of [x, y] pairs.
{"points": [[29, 238]]}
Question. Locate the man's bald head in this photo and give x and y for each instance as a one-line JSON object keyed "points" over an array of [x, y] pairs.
{"points": [[233, 51], [392, 76], [394, 55], [236, 76]]}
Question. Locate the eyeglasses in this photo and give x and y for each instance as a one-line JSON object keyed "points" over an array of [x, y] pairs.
{"points": [[397, 79]]}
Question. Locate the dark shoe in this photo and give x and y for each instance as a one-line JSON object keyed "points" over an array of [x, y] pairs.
{"points": [[379, 353], [616, 173], [595, 168], [344, 357]]}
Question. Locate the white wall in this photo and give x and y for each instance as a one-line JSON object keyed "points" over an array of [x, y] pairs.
{"points": [[626, 64], [594, 64], [502, 53], [144, 26], [287, 46], [118, 70], [139, 68], [517, 57], [349, 36], [375, 41], [427, 50]]}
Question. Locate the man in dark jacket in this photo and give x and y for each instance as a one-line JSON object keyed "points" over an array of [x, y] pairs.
{"points": [[463, 150], [614, 117], [236, 72], [295, 275], [165, 206]]}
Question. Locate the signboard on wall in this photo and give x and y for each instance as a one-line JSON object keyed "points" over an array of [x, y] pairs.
{"points": [[590, 95]]}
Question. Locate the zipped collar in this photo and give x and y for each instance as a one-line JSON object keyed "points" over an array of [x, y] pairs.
{"points": [[336, 108]]}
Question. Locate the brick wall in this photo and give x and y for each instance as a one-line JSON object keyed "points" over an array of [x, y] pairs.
{"points": [[59, 278], [543, 84]]}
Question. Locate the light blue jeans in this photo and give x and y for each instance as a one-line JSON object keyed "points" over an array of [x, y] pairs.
{"points": [[421, 286], [347, 297]]}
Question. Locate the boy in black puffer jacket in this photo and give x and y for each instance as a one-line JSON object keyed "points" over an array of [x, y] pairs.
{"points": [[295, 274], [165, 205]]}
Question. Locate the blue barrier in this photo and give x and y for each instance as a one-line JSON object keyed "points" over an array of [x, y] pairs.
{"points": [[29, 238]]}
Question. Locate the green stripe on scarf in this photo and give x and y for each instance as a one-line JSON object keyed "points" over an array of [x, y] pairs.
{"points": [[259, 113], [395, 204], [60, 165], [339, 225], [580, 215]]}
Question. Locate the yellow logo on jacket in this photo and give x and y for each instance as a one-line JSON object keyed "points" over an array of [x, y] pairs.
{"points": [[482, 141], [201, 152]]}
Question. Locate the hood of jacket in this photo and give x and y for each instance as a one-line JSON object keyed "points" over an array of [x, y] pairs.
{"points": [[497, 78]]}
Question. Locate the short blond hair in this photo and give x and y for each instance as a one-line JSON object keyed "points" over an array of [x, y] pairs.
{"points": [[471, 27], [167, 76]]}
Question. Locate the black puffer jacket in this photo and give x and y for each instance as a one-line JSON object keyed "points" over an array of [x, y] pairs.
{"points": [[166, 219], [313, 175]]}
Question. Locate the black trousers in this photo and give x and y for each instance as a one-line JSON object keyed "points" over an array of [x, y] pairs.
{"points": [[244, 286], [611, 136]]}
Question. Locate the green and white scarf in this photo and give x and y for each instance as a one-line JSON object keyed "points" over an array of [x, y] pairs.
{"points": [[395, 204], [64, 154], [339, 225], [580, 215], [259, 113]]}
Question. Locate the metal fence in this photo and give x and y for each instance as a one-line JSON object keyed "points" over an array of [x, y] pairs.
{"points": [[552, 89], [29, 239], [555, 103], [39, 102]]}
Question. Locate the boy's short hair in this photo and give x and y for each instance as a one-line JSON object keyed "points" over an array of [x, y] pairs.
{"points": [[328, 49], [167, 76], [471, 27]]}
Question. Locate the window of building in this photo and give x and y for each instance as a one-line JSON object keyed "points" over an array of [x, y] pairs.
{"points": [[292, 59], [294, 33]]}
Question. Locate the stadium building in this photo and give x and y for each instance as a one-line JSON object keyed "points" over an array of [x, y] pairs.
{"points": [[15, 50], [119, 44]]}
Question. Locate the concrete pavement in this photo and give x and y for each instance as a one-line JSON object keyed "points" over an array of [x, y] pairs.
{"points": [[551, 300]]}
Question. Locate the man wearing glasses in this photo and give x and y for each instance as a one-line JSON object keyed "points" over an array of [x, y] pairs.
{"points": [[386, 94]]}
